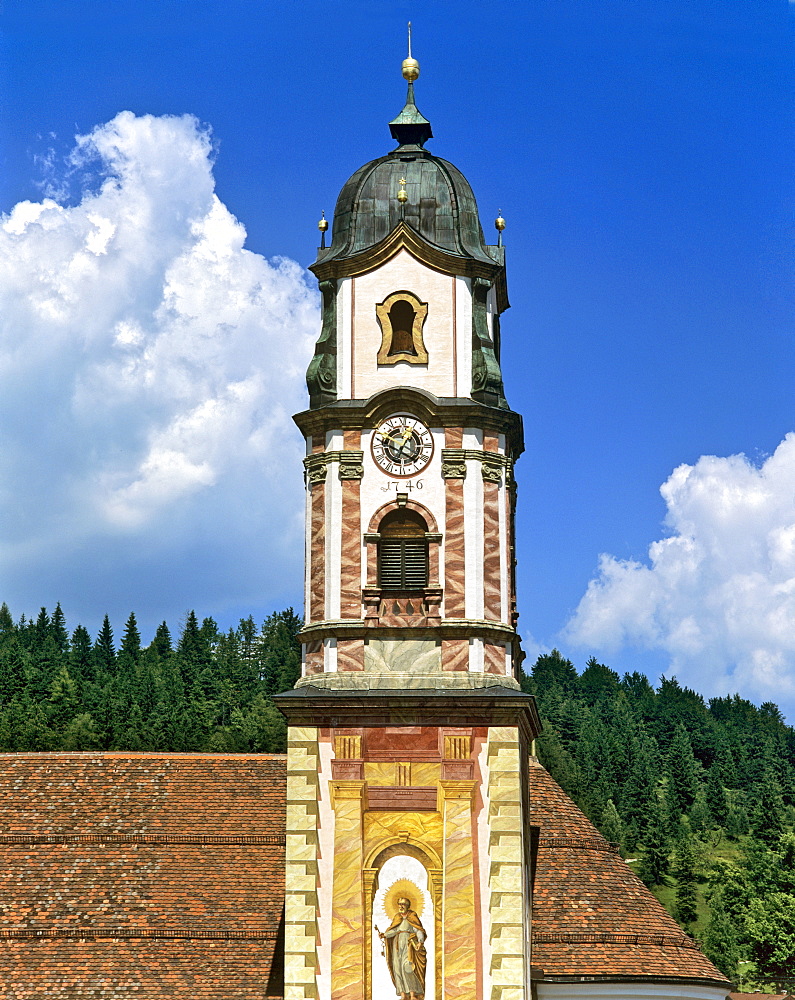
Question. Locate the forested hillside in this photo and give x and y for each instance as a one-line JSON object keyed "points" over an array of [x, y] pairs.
{"points": [[699, 796], [207, 690]]}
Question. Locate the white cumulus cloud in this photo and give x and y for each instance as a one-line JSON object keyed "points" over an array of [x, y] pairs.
{"points": [[149, 365], [717, 595]]}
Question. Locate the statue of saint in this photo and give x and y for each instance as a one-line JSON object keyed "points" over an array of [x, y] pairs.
{"points": [[404, 948]]}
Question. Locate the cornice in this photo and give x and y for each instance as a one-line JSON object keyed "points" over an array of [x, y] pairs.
{"points": [[437, 411], [403, 237], [447, 628]]}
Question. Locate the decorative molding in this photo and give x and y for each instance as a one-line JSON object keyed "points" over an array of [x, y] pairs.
{"points": [[134, 933], [660, 940], [315, 466], [321, 376], [493, 465], [351, 464], [137, 838], [403, 237]]}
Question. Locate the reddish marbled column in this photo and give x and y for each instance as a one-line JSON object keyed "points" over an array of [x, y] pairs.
{"points": [[317, 553], [350, 654], [492, 557], [313, 657], [494, 657], [455, 654], [351, 565], [454, 601]]}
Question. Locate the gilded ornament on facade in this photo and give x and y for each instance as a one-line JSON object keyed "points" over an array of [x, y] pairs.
{"points": [[401, 317]]}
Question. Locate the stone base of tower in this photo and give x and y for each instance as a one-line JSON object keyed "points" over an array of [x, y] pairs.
{"points": [[420, 795]]}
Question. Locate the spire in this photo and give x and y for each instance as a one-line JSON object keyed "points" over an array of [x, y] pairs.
{"points": [[410, 128]]}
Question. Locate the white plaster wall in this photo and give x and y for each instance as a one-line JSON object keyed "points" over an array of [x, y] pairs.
{"points": [[473, 529], [344, 290], [330, 655], [463, 312], [359, 336], [628, 991]]}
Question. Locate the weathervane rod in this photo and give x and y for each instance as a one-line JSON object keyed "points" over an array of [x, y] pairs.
{"points": [[409, 39]]}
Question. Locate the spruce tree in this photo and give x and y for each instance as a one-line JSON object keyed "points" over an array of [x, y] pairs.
{"points": [[721, 938], [131, 641], [611, 827], [685, 874], [104, 650], [655, 863], [682, 774], [58, 629]]}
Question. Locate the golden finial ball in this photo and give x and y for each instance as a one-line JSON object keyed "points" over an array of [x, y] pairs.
{"points": [[410, 69], [402, 196], [499, 223], [323, 224]]}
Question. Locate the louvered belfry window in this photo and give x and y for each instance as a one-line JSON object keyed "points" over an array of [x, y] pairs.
{"points": [[402, 552]]}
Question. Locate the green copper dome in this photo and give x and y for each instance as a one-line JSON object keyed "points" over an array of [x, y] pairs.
{"points": [[440, 205]]}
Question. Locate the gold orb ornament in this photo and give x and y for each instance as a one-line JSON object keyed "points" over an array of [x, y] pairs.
{"points": [[410, 67], [402, 195], [499, 222], [323, 224]]}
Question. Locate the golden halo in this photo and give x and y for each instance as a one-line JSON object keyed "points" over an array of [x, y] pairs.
{"points": [[403, 887]]}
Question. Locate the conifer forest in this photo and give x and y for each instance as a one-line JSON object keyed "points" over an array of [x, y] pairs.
{"points": [[699, 795]]}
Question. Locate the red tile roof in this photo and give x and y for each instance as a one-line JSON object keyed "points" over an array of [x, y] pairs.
{"points": [[162, 875], [146, 875], [592, 916]]}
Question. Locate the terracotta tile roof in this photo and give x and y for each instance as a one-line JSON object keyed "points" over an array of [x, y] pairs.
{"points": [[146, 875], [162, 875], [592, 916]]}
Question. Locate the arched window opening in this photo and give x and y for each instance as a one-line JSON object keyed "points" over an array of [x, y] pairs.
{"points": [[401, 318], [403, 551]]}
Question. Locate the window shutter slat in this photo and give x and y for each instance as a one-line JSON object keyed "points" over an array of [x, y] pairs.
{"points": [[403, 564]]}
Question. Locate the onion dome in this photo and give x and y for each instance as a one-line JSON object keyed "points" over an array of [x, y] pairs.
{"points": [[439, 204]]}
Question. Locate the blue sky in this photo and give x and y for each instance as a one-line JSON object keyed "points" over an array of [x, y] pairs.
{"points": [[642, 157]]}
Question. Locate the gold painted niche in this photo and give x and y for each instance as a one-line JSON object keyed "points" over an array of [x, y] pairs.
{"points": [[402, 316]]}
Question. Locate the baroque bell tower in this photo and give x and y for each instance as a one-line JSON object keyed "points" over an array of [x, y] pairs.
{"points": [[408, 846]]}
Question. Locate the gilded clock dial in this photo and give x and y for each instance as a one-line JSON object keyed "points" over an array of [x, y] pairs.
{"points": [[402, 445]]}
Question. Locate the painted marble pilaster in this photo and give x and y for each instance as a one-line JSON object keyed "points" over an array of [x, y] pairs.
{"points": [[350, 654], [492, 556], [510, 932], [301, 865], [317, 553], [351, 567], [494, 657], [458, 918], [454, 604], [455, 654], [347, 911]]}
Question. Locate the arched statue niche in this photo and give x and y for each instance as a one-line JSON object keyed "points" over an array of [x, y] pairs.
{"points": [[403, 916]]}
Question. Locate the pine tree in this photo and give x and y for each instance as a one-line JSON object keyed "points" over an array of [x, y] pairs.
{"points": [[162, 641], [58, 630], [767, 814], [6, 621], [685, 874], [715, 794], [682, 774], [131, 641], [104, 650], [611, 827], [655, 863], [721, 938]]}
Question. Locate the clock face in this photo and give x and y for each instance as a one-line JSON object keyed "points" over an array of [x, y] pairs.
{"points": [[402, 446]]}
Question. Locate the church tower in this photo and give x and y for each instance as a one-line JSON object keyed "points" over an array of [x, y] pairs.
{"points": [[408, 848]]}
